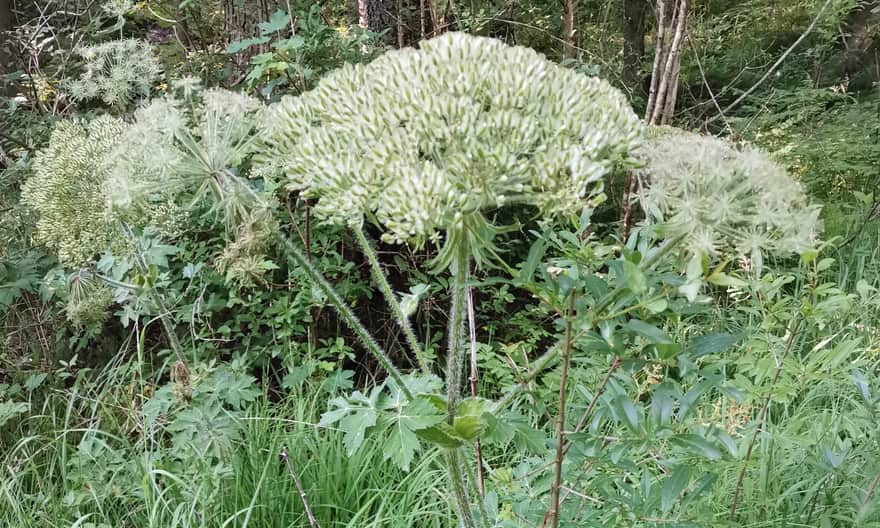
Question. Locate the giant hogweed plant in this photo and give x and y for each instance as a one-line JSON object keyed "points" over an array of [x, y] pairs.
{"points": [[427, 144]]}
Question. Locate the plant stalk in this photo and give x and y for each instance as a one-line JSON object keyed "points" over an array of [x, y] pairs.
{"points": [[299, 487], [391, 299], [762, 415], [347, 315], [553, 512], [474, 379]]}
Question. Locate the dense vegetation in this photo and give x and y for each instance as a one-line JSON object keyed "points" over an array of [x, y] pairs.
{"points": [[434, 263]]}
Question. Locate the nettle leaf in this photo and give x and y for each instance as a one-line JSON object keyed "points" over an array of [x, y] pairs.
{"points": [[402, 442], [354, 415]]}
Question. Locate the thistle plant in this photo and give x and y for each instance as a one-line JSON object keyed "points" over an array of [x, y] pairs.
{"points": [[425, 144], [116, 72]]}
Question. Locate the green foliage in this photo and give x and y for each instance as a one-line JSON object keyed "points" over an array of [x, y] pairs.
{"points": [[298, 48]]}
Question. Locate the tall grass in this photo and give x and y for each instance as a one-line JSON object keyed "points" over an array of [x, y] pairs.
{"points": [[251, 487]]}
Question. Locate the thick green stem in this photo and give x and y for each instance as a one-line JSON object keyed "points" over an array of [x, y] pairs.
{"points": [[382, 281], [459, 488], [455, 355], [456, 351], [347, 315]]}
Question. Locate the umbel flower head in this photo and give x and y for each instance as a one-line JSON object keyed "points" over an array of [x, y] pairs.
{"points": [[67, 189], [723, 198], [187, 145], [425, 141], [116, 71]]}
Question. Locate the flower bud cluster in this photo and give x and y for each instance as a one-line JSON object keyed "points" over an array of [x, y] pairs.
{"points": [[427, 140]]}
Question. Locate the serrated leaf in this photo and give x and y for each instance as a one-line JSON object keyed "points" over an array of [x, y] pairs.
{"points": [[278, 21], [442, 435], [241, 45], [402, 442]]}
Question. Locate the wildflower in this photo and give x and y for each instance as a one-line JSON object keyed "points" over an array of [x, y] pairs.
{"points": [[116, 71], [725, 199], [426, 141]]}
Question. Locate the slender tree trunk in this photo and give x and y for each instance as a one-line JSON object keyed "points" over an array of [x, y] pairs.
{"points": [[569, 15], [671, 27], [862, 41], [634, 43], [401, 27], [7, 18]]}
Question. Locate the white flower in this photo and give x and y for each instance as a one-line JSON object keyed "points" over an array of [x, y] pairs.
{"points": [[722, 197], [428, 140]]}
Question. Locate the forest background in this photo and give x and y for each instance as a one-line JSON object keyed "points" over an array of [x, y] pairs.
{"points": [[191, 372]]}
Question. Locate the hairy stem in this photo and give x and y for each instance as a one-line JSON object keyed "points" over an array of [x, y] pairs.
{"points": [[553, 513], [459, 488], [456, 350], [347, 315], [391, 299]]}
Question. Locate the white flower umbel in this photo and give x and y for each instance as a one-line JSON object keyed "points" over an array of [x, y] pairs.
{"points": [[426, 141], [725, 200], [117, 72], [188, 146]]}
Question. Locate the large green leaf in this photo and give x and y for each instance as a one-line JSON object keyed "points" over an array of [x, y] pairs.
{"points": [[710, 344]]}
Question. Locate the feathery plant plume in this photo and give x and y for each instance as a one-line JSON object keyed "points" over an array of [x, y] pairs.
{"points": [[725, 199], [116, 71], [67, 189], [426, 141], [87, 300]]}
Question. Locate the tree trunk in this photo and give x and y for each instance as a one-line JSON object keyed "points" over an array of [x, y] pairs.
{"points": [[863, 43], [634, 44], [7, 19], [374, 15], [671, 26], [569, 15]]}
